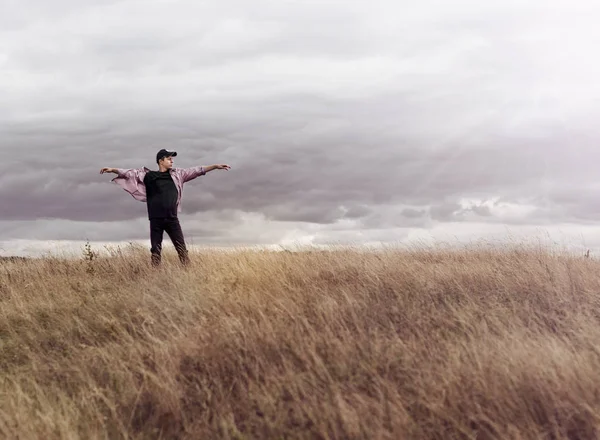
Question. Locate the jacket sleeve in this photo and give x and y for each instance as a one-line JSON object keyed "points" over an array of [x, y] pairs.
{"points": [[188, 174], [132, 181]]}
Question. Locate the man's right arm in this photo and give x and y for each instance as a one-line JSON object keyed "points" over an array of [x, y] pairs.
{"points": [[131, 180], [126, 173]]}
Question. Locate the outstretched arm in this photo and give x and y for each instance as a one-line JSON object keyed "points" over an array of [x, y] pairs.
{"points": [[188, 174], [131, 180], [127, 173], [216, 167]]}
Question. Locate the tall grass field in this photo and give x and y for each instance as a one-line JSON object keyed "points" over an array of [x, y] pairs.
{"points": [[481, 342]]}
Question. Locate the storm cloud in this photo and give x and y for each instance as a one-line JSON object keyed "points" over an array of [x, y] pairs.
{"points": [[342, 121]]}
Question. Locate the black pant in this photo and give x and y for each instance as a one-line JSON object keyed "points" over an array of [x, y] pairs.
{"points": [[172, 227]]}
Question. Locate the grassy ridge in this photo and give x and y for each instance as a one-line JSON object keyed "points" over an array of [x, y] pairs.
{"points": [[475, 343]]}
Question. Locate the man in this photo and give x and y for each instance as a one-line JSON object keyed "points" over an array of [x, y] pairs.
{"points": [[161, 190]]}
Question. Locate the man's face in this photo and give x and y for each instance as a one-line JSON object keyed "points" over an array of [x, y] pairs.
{"points": [[167, 162]]}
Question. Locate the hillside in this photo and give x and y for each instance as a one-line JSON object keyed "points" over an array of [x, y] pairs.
{"points": [[479, 343]]}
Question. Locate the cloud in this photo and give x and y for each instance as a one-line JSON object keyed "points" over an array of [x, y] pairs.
{"points": [[352, 119]]}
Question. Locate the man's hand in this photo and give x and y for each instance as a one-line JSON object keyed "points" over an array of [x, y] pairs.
{"points": [[108, 170]]}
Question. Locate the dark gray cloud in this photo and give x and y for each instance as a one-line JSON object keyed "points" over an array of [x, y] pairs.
{"points": [[339, 120]]}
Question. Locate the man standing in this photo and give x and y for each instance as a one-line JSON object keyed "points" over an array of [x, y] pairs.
{"points": [[161, 190]]}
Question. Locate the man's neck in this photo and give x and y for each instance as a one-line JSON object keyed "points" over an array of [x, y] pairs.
{"points": [[162, 169]]}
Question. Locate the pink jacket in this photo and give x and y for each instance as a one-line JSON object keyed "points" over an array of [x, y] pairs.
{"points": [[132, 180]]}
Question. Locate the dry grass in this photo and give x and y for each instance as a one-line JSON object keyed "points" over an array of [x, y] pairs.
{"points": [[477, 343]]}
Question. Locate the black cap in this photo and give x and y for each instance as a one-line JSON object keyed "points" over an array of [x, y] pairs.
{"points": [[165, 153]]}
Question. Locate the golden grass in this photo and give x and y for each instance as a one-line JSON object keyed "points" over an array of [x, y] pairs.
{"points": [[486, 343]]}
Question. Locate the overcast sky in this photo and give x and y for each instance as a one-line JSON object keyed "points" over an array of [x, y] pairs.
{"points": [[344, 122]]}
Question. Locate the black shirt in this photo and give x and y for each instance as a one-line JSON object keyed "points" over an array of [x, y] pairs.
{"points": [[161, 195]]}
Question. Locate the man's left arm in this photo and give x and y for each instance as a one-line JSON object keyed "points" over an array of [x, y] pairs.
{"points": [[188, 174]]}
